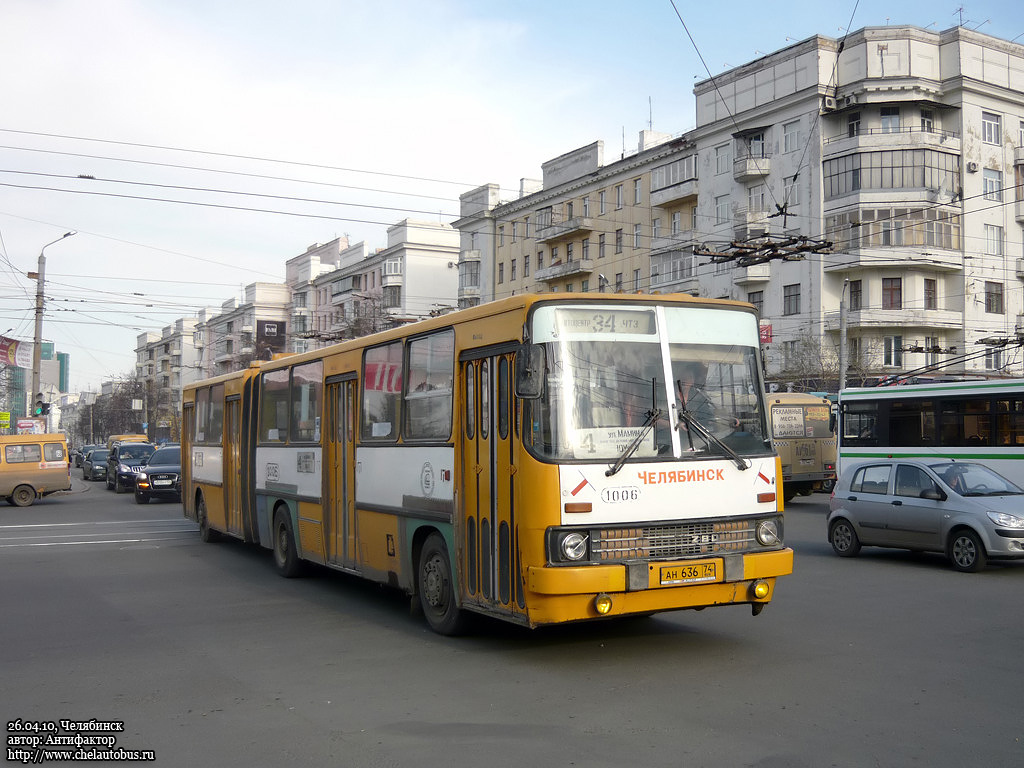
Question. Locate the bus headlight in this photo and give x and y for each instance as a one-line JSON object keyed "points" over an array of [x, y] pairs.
{"points": [[768, 533], [574, 546]]}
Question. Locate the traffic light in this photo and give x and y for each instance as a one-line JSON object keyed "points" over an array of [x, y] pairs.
{"points": [[41, 409], [46, 409]]}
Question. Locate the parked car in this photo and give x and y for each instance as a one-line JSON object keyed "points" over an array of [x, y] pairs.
{"points": [[79, 454], [961, 509], [124, 462], [161, 477], [95, 465]]}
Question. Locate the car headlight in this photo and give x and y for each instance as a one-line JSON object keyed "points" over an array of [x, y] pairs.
{"points": [[141, 476], [768, 533], [1005, 520], [574, 546]]}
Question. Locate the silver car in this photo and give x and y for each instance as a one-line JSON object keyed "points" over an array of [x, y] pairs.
{"points": [[962, 509]]}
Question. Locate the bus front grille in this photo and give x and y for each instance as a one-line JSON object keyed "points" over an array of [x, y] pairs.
{"points": [[668, 542]]}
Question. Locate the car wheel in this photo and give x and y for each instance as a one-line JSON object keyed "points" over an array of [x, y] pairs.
{"points": [[966, 552], [141, 498], [843, 538], [437, 590], [206, 533], [23, 496], [286, 557]]}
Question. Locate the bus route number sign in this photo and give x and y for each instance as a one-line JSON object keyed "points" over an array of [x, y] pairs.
{"points": [[689, 573]]}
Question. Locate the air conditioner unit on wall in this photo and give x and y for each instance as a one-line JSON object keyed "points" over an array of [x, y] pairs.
{"points": [[972, 167], [828, 104]]}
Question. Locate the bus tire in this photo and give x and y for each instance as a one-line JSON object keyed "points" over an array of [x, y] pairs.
{"points": [[843, 538], [286, 556], [23, 496], [436, 589], [965, 551], [206, 533]]}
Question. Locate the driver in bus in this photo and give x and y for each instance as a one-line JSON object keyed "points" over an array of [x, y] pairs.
{"points": [[690, 379]]}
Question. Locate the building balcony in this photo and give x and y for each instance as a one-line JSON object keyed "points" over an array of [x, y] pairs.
{"points": [[471, 254], [677, 193], [565, 269], [670, 283], [749, 167], [756, 273], [1018, 155], [563, 230], [876, 138], [681, 241], [388, 280], [873, 259], [1020, 269], [905, 319], [1018, 211]]}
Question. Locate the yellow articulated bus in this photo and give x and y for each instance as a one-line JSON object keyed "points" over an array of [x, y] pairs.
{"points": [[540, 459], [32, 466], [803, 433]]}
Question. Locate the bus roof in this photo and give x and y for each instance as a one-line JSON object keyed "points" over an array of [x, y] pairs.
{"points": [[993, 386]]}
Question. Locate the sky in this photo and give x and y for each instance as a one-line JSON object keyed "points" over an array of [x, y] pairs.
{"points": [[220, 139]]}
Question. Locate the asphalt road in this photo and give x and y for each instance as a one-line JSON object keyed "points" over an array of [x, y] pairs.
{"points": [[116, 612]]}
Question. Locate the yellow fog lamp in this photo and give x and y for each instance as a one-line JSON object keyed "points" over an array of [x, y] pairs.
{"points": [[603, 604], [760, 589]]}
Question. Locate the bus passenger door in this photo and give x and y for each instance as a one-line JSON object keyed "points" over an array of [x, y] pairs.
{"points": [[339, 478], [490, 548], [233, 465]]}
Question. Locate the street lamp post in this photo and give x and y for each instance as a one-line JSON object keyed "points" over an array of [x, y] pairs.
{"points": [[37, 347]]}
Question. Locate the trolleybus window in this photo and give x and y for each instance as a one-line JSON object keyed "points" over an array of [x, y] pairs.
{"points": [[382, 389], [428, 412], [216, 424], [274, 407], [305, 402]]}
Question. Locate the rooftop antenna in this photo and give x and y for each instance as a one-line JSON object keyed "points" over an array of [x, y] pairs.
{"points": [[650, 113]]}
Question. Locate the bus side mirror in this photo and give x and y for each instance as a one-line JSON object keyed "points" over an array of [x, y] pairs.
{"points": [[529, 371]]}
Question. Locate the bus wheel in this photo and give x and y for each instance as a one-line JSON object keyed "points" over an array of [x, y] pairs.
{"points": [[436, 590], [206, 533], [23, 496], [966, 551], [843, 538], [286, 558]]}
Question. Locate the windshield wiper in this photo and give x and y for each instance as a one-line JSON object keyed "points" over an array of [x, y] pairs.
{"points": [[652, 416], [692, 425]]}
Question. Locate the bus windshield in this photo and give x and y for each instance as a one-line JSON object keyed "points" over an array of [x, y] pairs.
{"points": [[614, 376]]}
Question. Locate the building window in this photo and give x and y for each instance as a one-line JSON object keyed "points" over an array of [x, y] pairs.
{"points": [[892, 293], [512, 270], [501, 236], [993, 298], [991, 128], [618, 241], [722, 209], [540, 259], [618, 196], [637, 192], [392, 296], [931, 298], [515, 231], [789, 355], [890, 119], [636, 279], [636, 235], [792, 191], [992, 184], [554, 256], [993, 358], [853, 124], [655, 229], [791, 299], [757, 198], [526, 265], [755, 144], [526, 228], [892, 352], [585, 249], [993, 240], [927, 121], [568, 288], [931, 347], [856, 295], [602, 202], [757, 299], [618, 282], [568, 210], [585, 286], [600, 247], [501, 274], [677, 223], [722, 159], [791, 136], [569, 250], [586, 206]]}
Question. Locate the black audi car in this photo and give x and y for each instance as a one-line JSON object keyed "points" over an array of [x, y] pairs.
{"points": [[125, 461], [161, 477]]}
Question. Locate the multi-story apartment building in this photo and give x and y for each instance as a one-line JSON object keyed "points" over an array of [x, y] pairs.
{"points": [[252, 329], [165, 362], [901, 146], [301, 273]]}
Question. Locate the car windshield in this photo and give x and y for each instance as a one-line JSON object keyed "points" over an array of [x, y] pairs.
{"points": [[98, 455], [974, 480], [166, 456], [133, 453]]}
